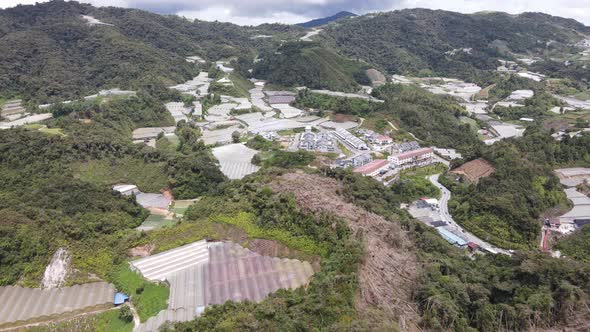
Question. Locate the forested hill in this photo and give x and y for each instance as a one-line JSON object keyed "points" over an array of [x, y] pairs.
{"points": [[50, 52], [417, 40]]}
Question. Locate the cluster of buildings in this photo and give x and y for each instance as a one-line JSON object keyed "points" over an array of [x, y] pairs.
{"points": [[320, 142], [350, 139], [378, 142]]}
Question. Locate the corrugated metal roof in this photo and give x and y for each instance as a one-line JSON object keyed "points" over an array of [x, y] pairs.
{"points": [[22, 304], [230, 272], [165, 264]]}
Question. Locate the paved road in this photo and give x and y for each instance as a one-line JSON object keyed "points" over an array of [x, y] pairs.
{"points": [[453, 226]]}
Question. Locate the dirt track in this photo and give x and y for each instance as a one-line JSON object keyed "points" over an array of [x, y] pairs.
{"points": [[388, 272]]}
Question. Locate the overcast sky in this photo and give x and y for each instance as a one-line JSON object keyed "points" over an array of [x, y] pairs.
{"points": [[252, 12]]}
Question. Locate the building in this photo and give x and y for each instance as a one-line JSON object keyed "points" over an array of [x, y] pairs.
{"points": [[373, 168], [451, 237], [414, 158], [146, 134], [126, 189], [311, 141], [281, 99], [448, 153], [350, 139], [383, 140], [407, 146], [355, 161]]}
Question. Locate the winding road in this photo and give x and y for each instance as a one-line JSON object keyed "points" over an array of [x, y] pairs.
{"points": [[453, 226]]}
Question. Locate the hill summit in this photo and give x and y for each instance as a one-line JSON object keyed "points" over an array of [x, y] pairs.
{"points": [[325, 20]]}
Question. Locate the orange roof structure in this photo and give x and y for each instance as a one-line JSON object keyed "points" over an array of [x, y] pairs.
{"points": [[372, 166]]}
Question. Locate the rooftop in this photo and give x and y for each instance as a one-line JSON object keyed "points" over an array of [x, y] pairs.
{"points": [[372, 166]]}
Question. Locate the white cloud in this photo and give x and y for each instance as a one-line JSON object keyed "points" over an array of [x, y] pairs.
{"points": [[248, 12]]}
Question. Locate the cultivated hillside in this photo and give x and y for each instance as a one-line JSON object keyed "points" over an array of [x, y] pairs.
{"points": [[422, 41], [50, 51]]}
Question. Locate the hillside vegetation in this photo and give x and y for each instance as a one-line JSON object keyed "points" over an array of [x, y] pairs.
{"points": [[414, 41], [308, 64]]}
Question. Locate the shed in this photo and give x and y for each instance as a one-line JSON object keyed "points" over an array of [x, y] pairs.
{"points": [[472, 246], [120, 298]]}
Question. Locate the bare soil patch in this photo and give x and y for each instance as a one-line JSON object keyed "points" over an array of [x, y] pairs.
{"points": [[388, 272], [275, 249]]}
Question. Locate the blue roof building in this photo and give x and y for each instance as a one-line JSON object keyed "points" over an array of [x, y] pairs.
{"points": [[120, 298], [451, 237]]}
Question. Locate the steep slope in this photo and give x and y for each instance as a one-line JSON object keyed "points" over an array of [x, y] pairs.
{"points": [[325, 20], [417, 40]]}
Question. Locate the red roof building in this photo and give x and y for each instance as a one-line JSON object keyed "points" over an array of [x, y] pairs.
{"points": [[383, 139], [373, 168], [414, 157]]}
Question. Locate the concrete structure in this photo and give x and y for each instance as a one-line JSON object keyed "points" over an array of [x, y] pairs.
{"points": [[373, 168], [414, 158], [448, 153], [350, 139], [355, 161], [320, 142]]}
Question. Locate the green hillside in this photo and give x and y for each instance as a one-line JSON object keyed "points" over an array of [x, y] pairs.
{"points": [[414, 41], [305, 63]]}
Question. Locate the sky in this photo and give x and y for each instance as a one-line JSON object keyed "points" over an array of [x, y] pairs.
{"points": [[253, 12]]}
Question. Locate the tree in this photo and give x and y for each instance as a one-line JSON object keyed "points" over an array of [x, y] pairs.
{"points": [[235, 136], [125, 314]]}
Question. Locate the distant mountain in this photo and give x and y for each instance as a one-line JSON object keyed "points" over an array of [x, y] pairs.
{"points": [[436, 42], [51, 52], [321, 21]]}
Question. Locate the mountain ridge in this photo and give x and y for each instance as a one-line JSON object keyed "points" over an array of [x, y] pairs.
{"points": [[325, 20]]}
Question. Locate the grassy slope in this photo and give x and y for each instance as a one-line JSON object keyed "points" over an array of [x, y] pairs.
{"points": [[107, 321], [149, 177], [149, 301]]}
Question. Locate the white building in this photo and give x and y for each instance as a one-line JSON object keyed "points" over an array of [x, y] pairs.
{"points": [[420, 157]]}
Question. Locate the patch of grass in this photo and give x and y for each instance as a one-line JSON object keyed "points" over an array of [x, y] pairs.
{"points": [[344, 149], [149, 298], [149, 177], [53, 131], [424, 171], [157, 221], [245, 221], [107, 321], [471, 122]]}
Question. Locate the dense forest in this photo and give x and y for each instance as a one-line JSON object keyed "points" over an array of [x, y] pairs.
{"points": [[45, 205], [506, 207]]}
